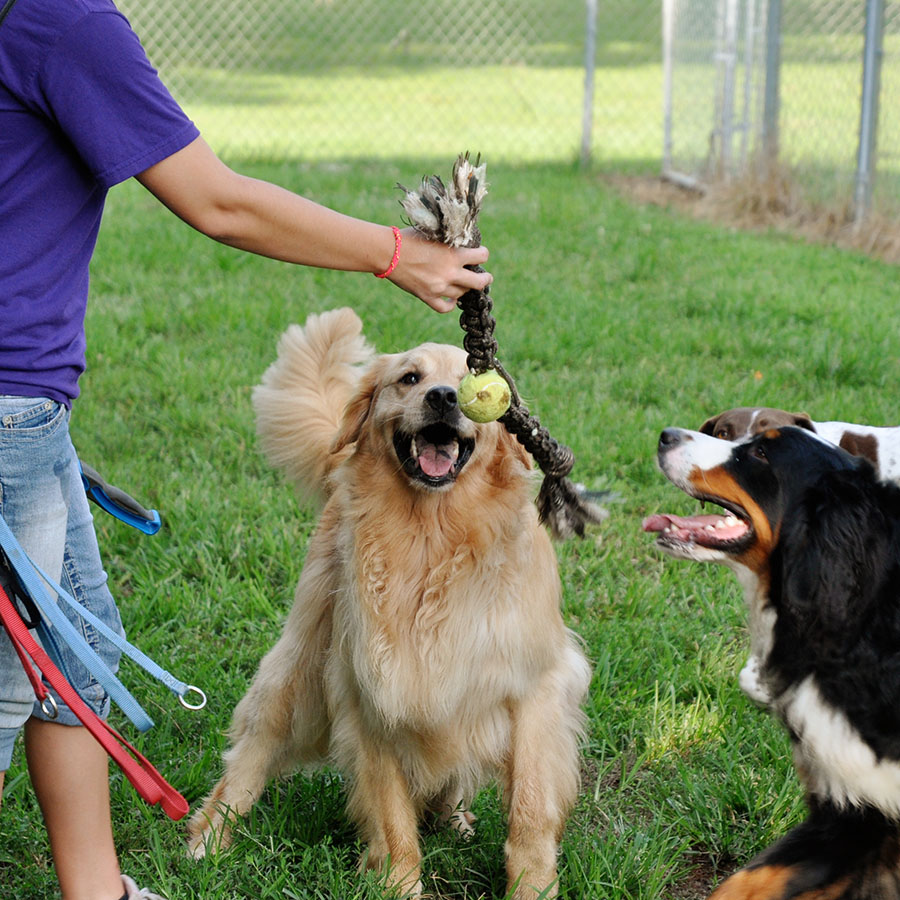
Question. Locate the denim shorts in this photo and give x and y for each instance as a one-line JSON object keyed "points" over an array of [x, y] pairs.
{"points": [[45, 506]]}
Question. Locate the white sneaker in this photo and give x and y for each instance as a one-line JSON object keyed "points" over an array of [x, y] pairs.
{"points": [[132, 892]]}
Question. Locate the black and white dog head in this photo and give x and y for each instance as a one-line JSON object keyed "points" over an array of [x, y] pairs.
{"points": [[819, 536], [760, 483]]}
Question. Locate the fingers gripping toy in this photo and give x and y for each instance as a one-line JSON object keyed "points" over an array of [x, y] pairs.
{"points": [[450, 215]]}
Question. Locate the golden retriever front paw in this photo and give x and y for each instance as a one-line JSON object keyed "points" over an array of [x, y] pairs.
{"points": [[208, 832]]}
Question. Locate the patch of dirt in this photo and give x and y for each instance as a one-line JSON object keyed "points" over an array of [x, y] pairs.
{"points": [[702, 877], [772, 202]]}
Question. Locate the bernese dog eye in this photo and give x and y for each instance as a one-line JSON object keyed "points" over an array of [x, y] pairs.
{"points": [[759, 452], [410, 378]]}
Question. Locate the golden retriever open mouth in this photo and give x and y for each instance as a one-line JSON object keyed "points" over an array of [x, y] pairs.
{"points": [[435, 455]]}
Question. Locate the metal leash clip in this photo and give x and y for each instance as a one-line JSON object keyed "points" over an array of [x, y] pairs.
{"points": [[191, 688]]}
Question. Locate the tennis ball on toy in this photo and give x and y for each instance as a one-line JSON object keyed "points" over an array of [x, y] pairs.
{"points": [[484, 397]]}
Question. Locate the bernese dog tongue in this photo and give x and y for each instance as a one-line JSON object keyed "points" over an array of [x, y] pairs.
{"points": [[723, 528], [435, 460]]}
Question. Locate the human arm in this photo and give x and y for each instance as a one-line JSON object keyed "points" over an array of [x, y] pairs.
{"points": [[263, 218]]}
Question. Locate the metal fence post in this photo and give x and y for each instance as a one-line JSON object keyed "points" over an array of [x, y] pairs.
{"points": [[726, 62], [750, 36], [590, 62], [868, 118], [668, 27], [772, 88]]}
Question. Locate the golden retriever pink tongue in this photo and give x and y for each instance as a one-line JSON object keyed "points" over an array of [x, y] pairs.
{"points": [[435, 461]]}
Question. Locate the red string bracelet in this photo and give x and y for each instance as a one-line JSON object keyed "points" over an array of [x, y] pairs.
{"points": [[398, 242]]}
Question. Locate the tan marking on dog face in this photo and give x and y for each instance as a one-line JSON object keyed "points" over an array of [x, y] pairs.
{"points": [[719, 483], [728, 425]]}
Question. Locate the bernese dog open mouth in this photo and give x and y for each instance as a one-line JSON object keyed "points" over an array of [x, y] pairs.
{"points": [[434, 456], [691, 461], [730, 533]]}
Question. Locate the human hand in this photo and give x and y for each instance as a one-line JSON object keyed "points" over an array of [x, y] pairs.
{"points": [[436, 273]]}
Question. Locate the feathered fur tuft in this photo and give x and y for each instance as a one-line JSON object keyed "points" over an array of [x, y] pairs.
{"points": [[300, 403], [449, 216], [567, 509]]}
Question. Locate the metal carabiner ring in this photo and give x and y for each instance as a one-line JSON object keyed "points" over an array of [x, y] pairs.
{"points": [[195, 690], [53, 711]]}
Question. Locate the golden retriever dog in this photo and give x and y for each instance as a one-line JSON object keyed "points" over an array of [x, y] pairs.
{"points": [[425, 651]]}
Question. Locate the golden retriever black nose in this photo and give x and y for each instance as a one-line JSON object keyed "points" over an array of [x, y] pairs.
{"points": [[441, 399]]}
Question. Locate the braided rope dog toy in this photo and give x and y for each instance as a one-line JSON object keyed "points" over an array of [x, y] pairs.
{"points": [[450, 216]]}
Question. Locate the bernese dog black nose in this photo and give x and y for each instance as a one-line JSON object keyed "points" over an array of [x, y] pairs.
{"points": [[670, 438], [441, 399]]}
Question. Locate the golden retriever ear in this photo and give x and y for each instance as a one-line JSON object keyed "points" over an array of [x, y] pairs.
{"points": [[357, 411]]}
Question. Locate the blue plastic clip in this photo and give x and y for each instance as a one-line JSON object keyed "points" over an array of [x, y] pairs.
{"points": [[117, 503]]}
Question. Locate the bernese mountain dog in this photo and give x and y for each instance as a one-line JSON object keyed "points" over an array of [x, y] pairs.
{"points": [[814, 538]]}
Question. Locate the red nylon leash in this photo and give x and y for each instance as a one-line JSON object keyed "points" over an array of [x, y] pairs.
{"points": [[146, 780]]}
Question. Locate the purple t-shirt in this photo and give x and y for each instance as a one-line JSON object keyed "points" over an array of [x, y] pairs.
{"points": [[81, 109]]}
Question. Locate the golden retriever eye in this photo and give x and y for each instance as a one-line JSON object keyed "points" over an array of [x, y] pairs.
{"points": [[410, 378]]}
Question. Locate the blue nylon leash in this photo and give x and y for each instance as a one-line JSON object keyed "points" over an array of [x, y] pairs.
{"points": [[30, 578], [50, 613], [177, 687]]}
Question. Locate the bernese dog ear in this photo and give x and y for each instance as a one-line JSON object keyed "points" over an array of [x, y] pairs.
{"points": [[835, 556]]}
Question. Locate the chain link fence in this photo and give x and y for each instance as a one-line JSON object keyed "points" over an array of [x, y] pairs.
{"points": [[685, 92], [318, 79], [751, 82]]}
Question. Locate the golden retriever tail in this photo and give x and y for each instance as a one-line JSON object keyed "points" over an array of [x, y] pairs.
{"points": [[300, 403]]}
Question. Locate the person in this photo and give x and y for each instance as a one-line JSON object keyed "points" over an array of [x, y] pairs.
{"points": [[82, 109]]}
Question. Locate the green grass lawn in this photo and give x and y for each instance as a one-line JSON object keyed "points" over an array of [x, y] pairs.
{"points": [[616, 321]]}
